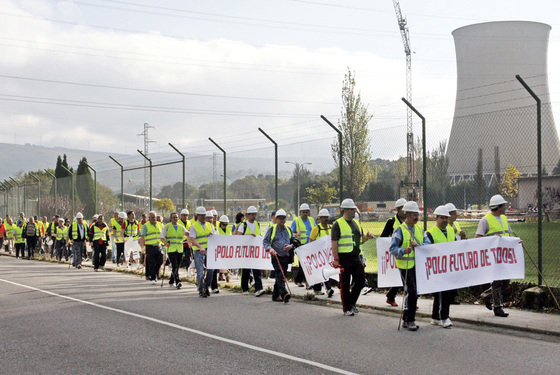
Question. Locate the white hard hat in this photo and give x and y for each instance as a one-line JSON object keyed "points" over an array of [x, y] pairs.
{"points": [[324, 213], [348, 203], [209, 213], [59, 220], [122, 215], [252, 210], [497, 200], [304, 207], [184, 211], [224, 219], [400, 202], [95, 216], [200, 211], [214, 213], [441, 211], [450, 207], [79, 215], [280, 212], [411, 206]]}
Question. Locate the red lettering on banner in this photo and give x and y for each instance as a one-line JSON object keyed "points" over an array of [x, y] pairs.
{"points": [[321, 258], [452, 264], [238, 251], [230, 252], [513, 255], [444, 264]]}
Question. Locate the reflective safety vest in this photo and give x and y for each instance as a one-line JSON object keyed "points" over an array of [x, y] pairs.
{"points": [[300, 227], [397, 223], [323, 231], [248, 230], [53, 228], [74, 231], [18, 235], [10, 230], [175, 238], [202, 235], [41, 228], [131, 230], [226, 232], [438, 236], [61, 234], [406, 261], [274, 232], [117, 236], [347, 241], [495, 227], [153, 234], [99, 234]]}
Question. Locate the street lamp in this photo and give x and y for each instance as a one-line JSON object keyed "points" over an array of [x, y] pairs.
{"points": [[298, 170]]}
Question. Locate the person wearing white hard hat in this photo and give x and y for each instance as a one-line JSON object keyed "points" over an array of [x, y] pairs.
{"points": [[406, 237], [323, 228], [390, 226], [441, 233], [150, 237], [130, 231], [222, 230], [215, 219], [459, 233], [116, 230], [209, 219], [301, 228], [250, 227], [495, 223], [172, 236], [78, 237], [347, 237], [187, 249], [198, 234], [278, 242]]}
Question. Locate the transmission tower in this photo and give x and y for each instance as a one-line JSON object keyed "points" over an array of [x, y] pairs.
{"points": [[410, 182], [147, 142]]}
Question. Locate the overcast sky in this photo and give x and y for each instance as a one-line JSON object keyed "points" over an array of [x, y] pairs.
{"points": [[88, 74]]}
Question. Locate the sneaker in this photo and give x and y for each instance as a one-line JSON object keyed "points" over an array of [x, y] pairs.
{"points": [[287, 298], [348, 313], [207, 293], [355, 310], [300, 285], [95, 270], [171, 285], [488, 303], [366, 290], [330, 293], [319, 293], [216, 290], [201, 295], [79, 266], [277, 299], [411, 326], [498, 311], [392, 303], [245, 293], [103, 268], [179, 285], [153, 282], [436, 322], [447, 323], [259, 293]]}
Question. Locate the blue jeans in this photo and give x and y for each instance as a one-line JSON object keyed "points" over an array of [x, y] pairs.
{"points": [[199, 262], [77, 249]]}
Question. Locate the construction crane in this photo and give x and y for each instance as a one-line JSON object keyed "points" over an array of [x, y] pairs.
{"points": [[410, 184]]}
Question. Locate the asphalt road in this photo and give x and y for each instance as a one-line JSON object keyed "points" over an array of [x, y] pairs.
{"points": [[55, 320]]}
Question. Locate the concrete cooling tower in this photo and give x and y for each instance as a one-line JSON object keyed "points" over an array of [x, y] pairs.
{"points": [[492, 108]]}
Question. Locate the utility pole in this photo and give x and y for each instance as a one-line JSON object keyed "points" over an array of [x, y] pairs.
{"points": [[146, 155]]}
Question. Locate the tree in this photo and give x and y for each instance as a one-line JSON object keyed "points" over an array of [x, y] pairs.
{"points": [[437, 181], [356, 152], [164, 205], [509, 181], [322, 194], [85, 188], [556, 170]]}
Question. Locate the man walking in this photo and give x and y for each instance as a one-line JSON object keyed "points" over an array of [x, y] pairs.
{"points": [[78, 235], [253, 228], [278, 242], [390, 226], [172, 236], [301, 228], [31, 233], [99, 237], [150, 237], [320, 230], [130, 231], [198, 234]]}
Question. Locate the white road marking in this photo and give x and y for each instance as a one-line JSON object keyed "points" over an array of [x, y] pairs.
{"points": [[197, 332]]}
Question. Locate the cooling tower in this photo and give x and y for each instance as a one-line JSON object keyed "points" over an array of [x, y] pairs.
{"points": [[492, 108]]}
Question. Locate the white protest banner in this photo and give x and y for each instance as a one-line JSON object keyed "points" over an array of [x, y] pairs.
{"points": [[460, 264], [237, 252], [388, 275], [316, 257]]}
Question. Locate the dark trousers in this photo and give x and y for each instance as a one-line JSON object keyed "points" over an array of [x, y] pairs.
{"points": [[120, 252], [61, 250], [31, 243], [245, 274], [99, 255], [154, 260], [392, 293], [442, 301], [411, 295], [175, 260], [353, 269], [318, 287], [214, 284], [280, 265], [300, 276], [497, 292], [20, 249]]}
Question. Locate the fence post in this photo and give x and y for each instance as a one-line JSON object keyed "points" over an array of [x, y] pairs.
{"points": [[339, 156], [55, 192], [539, 175], [18, 202], [275, 168], [73, 187], [423, 159], [38, 192], [94, 184], [225, 182], [122, 184], [149, 161], [183, 157]]}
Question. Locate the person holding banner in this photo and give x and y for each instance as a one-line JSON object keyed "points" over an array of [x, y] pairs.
{"points": [[223, 229], [347, 237], [198, 234], [320, 230], [390, 226], [253, 228], [405, 238], [301, 228], [459, 235], [172, 236], [278, 242], [442, 232], [495, 224]]}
